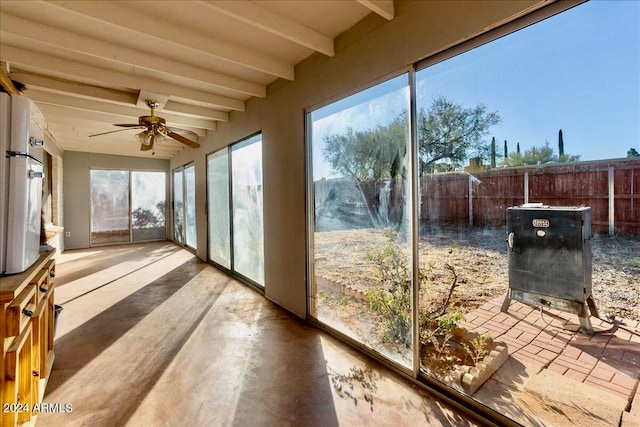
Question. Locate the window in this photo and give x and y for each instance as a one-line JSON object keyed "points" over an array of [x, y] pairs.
{"points": [[148, 193], [110, 213], [246, 190], [234, 197], [362, 284], [190, 205], [184, 209], [178, 205], [127, 206], [547, 115], [218, 208]]}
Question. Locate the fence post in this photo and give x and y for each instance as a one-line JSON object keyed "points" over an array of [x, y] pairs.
{"points": [[470, 201], [612, 199], [526, 187]]}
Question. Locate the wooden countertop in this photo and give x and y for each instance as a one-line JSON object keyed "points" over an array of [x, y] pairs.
{"points": [[12, 285]]}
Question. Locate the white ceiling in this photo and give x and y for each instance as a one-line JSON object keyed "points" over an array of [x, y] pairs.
{"points": [[90, 64]]}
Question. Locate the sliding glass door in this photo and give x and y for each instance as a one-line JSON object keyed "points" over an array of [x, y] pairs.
{"points": [[447, 277], [218, 206], [148, 193], [127, 206], [190, 205], [178, 205], [184, 206], [110, 213], [362, 267], [246, 189], [234, 200]]}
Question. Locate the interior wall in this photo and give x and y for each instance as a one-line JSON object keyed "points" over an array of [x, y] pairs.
{"points": [[369, 51], [57, 215], [76, 182]]}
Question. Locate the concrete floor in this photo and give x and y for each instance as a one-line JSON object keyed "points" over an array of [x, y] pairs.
{"points": [[149, 335]]}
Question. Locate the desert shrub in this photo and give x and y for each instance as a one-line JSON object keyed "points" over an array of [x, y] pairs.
{"points": [[437, 333], [478, 348], [393, 300]]}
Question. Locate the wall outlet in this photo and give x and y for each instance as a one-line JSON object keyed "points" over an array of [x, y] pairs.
{"points": [[67, 234]]}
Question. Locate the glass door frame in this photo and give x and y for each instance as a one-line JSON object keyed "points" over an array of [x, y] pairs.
{"points": [[464, 403], [312, 315], [231, 270], [180, 170], [130, 173], [208, 211]]}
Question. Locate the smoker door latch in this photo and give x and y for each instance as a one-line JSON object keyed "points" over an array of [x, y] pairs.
{"points": [[511, 240], [35, 142]]}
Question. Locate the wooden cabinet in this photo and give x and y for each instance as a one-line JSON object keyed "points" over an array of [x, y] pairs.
{"points": [[27, 316]]}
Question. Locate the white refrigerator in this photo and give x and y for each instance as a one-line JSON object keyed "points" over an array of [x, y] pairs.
{"points": [[21, 176]]}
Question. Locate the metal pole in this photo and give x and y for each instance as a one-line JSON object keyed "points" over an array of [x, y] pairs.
{"points": [[526, 187], [611, 201]]}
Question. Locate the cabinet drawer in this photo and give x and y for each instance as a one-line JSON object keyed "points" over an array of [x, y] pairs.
{"points": [[50, 266], [20, 311], [40, 283]]}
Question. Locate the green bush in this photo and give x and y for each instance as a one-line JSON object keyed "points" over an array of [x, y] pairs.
{"points": [[393, 302]]}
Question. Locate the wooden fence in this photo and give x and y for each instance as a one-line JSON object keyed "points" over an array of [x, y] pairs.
{"points": [[610, 187]]}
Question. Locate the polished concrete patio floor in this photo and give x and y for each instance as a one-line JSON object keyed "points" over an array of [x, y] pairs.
{"points": [[150, 335]]}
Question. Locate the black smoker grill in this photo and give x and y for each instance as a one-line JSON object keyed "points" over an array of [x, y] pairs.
{"points": [[550, 259]]}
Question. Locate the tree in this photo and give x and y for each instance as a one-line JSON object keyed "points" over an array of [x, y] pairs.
{"points": [[560, 145], [446, 131], [451, 132], [538, 156], [633, 153], [506, 152], [493, 153], [144, 218], [161, 207], [369, 156]]}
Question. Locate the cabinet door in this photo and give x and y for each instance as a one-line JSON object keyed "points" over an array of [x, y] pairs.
{"points": [[18, 384]]}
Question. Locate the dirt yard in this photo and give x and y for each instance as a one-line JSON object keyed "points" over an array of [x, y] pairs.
{"points": [[479, 259]]}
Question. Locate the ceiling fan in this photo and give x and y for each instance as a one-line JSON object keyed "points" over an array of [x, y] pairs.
{"points": [[155, 130]]}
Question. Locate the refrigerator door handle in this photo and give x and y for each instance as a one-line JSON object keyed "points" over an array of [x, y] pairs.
{"points": [[35, 142], [31, 174]]}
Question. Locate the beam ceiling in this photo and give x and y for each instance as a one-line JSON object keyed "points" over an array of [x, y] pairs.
{"points": [[90, 64]]}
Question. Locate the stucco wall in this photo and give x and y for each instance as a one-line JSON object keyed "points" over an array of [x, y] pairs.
{"points": [[77, 188], [371, 50]]}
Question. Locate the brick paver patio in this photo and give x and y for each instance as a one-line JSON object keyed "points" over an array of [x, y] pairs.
{"points": [[549, 341]]}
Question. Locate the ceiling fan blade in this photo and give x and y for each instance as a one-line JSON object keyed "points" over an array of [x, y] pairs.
{"points": [[129, 125], [182, 139], [178, 130], [112, 131]]}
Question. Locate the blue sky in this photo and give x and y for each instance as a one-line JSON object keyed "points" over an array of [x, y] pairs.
{"points": [[578, 71]]}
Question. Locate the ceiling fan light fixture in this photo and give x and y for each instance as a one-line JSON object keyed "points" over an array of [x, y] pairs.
{"points": [[144, 137]]}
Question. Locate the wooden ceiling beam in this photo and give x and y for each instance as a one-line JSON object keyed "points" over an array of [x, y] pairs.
{"points": [[131, 113], [383, 8], [75, 113], [253, 14], [70, 69], [172, 36], [57, 39]]}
